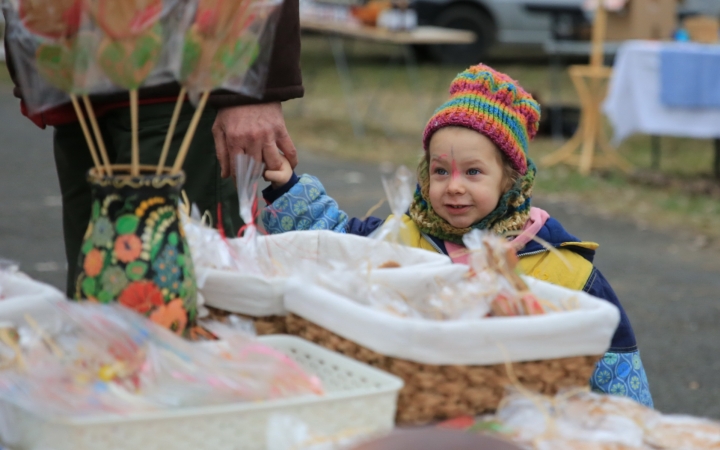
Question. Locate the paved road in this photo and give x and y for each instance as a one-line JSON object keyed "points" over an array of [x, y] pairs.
{"points": [[672, 295]]}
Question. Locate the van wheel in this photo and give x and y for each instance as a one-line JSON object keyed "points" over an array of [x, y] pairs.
{"points": [[464, 17]]}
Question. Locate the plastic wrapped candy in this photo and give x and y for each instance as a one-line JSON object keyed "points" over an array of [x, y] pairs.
{"points": [[250, 256], [494, 263], [42, 38], [399, 190], [92, 47], [569, 421], [207, 245], [228, 45], [286, 432], [105, 358], [586, 420], [211, 248], [140, 42]]}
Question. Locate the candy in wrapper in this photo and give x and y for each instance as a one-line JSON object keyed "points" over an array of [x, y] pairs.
{"points": [[228, 45], [399, 191], [106, 358], [249, 256]]}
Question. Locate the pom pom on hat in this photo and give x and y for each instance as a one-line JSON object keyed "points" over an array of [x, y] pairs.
{"points": [[493, 104]]}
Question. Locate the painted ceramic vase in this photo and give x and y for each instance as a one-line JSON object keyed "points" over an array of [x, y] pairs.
{"points": [[134, 251]]}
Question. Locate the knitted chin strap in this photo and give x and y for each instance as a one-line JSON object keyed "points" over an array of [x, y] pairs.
{"points": [[511, 213]]}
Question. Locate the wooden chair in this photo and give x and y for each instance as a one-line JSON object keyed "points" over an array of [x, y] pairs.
{"points": [[591, 83]]}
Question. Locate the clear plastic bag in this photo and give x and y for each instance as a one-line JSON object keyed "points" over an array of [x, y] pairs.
{"points": [[286, 432], [34, 57], [682, 433], [399, 191], [249, 256], [93, 47], [138, 43], [582, 419], [228, 46], [587, 420], [249, 74], [8, 266], [105, 358], [494, 263], [207, 246]]}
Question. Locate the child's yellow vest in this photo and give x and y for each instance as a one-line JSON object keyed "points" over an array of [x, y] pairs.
{"points": [[547, 266]]}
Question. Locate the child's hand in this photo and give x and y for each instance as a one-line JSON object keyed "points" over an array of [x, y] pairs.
{"points": [[280, 177]]}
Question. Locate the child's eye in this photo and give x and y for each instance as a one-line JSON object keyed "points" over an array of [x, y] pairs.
{"points": [[474, 172], [441, 171]]}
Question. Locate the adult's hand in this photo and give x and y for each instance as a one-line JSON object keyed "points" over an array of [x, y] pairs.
{"points": [[255, 130]]}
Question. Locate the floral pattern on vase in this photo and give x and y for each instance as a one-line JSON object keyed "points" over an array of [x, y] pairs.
{"points": [[134, 251]]}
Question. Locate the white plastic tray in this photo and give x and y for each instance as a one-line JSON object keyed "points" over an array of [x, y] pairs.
{"points": [[358, 398]]}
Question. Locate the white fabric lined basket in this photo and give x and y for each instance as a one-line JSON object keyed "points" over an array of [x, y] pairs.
{"points": [[297, 253], [583, 331]]}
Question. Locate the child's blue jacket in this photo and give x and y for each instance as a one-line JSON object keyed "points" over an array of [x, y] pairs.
{"points": [[302, 204]]}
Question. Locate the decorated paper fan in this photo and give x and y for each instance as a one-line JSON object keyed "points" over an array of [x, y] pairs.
{"points": [[54, 19]]}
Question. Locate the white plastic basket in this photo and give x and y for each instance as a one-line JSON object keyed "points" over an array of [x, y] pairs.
{"points": [[358, 398]]}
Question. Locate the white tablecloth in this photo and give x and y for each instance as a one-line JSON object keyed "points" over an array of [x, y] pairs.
{"points": [[633, 102]]}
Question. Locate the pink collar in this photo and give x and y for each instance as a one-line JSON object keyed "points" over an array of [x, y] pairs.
{"points": [[537, 220]]}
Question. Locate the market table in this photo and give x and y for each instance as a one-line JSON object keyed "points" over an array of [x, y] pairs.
{"points": [[634, 103], [337, 32]]}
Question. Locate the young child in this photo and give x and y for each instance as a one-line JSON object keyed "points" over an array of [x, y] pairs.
{"points": [[476, 175]]}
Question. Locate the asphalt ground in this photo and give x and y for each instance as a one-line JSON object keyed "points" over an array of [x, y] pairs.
{"points": [[669, 287]]}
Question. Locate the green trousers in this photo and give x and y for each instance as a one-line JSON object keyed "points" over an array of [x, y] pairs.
{"points": [[203, 185]]}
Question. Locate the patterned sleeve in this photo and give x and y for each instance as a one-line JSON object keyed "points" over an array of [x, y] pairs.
{"points": [[622, 374], [305, 206]]}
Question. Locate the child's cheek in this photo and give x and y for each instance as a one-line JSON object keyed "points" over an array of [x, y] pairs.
{"points": [[436, 191]]}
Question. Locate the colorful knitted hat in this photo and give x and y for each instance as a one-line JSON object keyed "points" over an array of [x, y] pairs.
{"points": [[493, 104]]}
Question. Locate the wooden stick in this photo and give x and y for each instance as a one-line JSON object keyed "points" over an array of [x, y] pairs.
{"points": [[190, 134], [135, 161], [86, 132], [599, 31], [171, 130], [98, 135]]}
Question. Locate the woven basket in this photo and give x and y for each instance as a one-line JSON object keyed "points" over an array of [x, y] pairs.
{"points": [[442, 392], [263, 325]]}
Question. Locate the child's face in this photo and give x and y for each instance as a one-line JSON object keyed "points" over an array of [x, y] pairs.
{"points": [[466, 175]]}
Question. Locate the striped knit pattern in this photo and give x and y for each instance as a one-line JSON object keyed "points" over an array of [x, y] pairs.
{"points": [[493, 104]]}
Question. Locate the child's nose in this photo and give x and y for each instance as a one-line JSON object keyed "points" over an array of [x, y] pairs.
{"points": [[456, 185]]}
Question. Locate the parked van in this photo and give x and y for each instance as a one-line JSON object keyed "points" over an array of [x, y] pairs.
{"points": [[508, 22]]}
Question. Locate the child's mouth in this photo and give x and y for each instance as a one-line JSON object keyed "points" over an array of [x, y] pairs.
{"points": [[457, 209]]}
